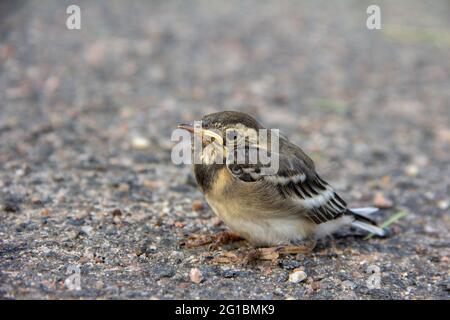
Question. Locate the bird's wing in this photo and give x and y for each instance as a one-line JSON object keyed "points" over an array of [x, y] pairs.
{"points": [[296, 180]]}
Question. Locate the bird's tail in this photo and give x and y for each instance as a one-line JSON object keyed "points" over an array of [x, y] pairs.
{"points": [[363, 221]]}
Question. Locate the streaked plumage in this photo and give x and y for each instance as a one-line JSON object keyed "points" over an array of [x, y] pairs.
{"points": [[283, 207]]}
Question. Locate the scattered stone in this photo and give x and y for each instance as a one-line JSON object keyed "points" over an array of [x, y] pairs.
{"points": [[72, 234], [117, 216], [289, 264], [412, 170], [123, 187], [385, 181], [145, 248], [11, 207], [77, 222], [443, 204], [140, 250], [87, 256], [46, 212], [230, 273], [380, 201], [297, 276], [197, 205], [87, 230], [195, 275], [316, 285], [99, 258], [348, 285], [36, 200], [447, 286], [116, 213], [99, 285], [22, 227], [140, 143], [430, 229], [283, 277], [179, 224], [443, 135]]}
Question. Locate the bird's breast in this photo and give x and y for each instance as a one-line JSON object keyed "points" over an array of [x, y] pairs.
{"points": [[248, 210]]}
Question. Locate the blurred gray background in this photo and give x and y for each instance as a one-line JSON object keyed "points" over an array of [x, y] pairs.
{"points": [[86, 117]]}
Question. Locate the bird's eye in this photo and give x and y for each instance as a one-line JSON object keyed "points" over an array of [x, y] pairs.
{"points": [[236, 169]]}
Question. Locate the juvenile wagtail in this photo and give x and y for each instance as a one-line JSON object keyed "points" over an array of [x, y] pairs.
{"points": [[287, 207]]}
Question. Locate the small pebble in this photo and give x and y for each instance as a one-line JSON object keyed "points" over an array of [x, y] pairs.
{"points": [[297, 276], [36, 200], [348, 285], [443, 204], [179, 224], [289, 264], [116, 213], [46, 212], [195, 275], [11, 207], [99, 285], [87, 230], [72, 234], [197, 205], [380, 201], [316, 285], [140, 143], [140, 250], [412, 170]]}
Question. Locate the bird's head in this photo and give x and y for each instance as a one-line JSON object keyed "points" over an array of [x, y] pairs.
{"points": [[224, 130]]}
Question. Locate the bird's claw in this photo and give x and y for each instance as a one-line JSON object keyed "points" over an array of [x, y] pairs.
{"points": [[213, 241]]}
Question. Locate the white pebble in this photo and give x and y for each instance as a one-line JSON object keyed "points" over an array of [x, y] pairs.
{"points": [[195, 275], [140, 143], [443, 204], [87, 230], [412, 170], [297, 276]]}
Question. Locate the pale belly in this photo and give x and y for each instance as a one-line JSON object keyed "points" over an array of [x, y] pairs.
{"points": [[264, 224], [259, 228]]}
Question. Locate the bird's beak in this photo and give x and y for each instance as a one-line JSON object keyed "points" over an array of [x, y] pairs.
{"points": [[201, 132], [187, 126]]}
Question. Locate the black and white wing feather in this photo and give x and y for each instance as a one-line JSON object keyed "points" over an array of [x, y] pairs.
{"points": [[296, 180]]}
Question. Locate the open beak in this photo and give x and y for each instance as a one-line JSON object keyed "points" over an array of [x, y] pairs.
{"points": [[201, 132]]}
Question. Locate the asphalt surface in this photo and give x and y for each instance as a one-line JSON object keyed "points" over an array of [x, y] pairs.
{"points": [[88, 191]]}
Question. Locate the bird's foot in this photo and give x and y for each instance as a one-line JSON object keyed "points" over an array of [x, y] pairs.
{"points": [[300, 247], [245, 256], [273, 253], [251, 255], [214, 241]]}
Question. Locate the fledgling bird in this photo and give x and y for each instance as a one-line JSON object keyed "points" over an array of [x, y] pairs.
{"points": [[289, 207]]}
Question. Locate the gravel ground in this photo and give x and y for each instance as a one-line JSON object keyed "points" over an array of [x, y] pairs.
{"points": [[86, 116]]}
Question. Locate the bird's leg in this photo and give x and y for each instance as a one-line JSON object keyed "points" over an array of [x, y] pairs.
{"points": [[304, 247], [273, 253], [254, 254], [224, 237], [214, 241]]}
